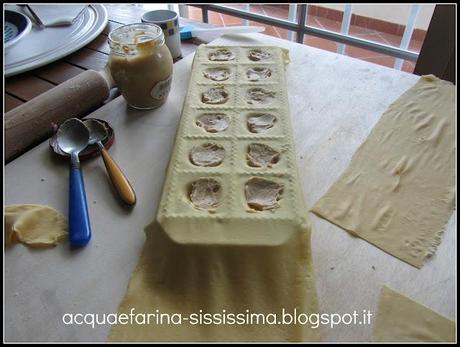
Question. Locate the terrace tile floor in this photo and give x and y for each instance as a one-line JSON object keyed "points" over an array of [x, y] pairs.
{"points": [[323, 23]]}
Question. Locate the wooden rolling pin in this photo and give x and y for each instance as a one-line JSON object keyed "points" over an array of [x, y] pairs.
{"points": [[30, 123]]}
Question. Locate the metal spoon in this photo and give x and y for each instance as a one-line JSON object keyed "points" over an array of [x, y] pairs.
{"points": [[97, 132], [72, 137]]}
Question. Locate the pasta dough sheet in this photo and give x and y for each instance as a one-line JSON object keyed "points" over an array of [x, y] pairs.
{"points": [[398, 191], [184, 279], [400, 319], [34, 225]]}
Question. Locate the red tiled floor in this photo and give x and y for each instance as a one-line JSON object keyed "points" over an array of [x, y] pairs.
{"points": [[389, 39], [276, 11], [283, 33], [327, 24], [408, 66], [215, 18], [231, 20], [317, 42], [238, 6], [257, 9], [384, 60], [269, 30], [358, 29], [195, 13], [360, 53]]}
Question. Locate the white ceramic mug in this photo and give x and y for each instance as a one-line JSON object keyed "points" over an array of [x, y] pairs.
{"points": [[169, 22]]}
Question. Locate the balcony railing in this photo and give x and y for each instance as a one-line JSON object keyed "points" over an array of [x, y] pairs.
{"points": [[296, 23]]}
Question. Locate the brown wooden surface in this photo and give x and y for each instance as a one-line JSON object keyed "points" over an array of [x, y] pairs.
{"points": [[25, 86]]}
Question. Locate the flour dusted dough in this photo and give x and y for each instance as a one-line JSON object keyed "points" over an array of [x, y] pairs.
{"points": [[184, 279], [400, 319], [398, 191], [34, 225]]}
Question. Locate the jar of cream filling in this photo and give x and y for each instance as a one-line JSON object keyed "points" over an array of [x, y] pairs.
{"points": [[140, 64]]}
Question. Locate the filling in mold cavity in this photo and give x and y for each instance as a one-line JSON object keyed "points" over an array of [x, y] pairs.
{"points": [[208, 154], [262, 194], [221, 55], [259, 96], [260, 155], [215, 96], [217, 74], [205, 193], [258, 73], [212, 122], [260, 123], [257, 55]]}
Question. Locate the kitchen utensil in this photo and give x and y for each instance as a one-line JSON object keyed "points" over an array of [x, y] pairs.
{"points": [[189, 31], [91, 151], [72, 138], [97, 132], [34, 16], [56, 14], [28, 124]]}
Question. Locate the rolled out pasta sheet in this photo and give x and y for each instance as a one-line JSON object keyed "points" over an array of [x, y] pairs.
{"points": [[400, 319], [398, 191]]}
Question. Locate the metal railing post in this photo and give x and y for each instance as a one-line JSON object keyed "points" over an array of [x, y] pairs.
{"points": [[407, 33], [247, 7], [291, 17], [302, 16], [204, 13], [344, 29]]}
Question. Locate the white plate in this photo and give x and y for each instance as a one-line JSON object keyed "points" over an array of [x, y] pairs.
{"points": [[43, 46]]}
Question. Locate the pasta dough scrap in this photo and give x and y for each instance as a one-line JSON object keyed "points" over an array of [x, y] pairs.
{"points": [[34, 225], [184, 279], [400, 319], [398, 191]]}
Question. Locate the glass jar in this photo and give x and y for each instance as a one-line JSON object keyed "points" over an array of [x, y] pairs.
{"points": [[140, 64]]}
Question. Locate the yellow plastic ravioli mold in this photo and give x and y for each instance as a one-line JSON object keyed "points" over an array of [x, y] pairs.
{"points": [[232, 178]]}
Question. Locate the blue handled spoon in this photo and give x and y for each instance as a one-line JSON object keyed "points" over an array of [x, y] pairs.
{"points": [[72, 137]]}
